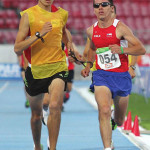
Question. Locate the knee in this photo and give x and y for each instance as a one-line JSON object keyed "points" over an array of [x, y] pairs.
{"points": [[36, 116], [105, 112], [54, 107]]}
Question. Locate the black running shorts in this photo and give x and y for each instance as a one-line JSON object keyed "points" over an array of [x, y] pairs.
{"points": [[37, 86], [70, 76]]}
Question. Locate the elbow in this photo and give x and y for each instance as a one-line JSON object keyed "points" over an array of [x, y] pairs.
{"points": [[17, 51], [85, 55], [143, 51]]}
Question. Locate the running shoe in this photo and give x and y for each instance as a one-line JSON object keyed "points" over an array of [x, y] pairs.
{"points": [[45, 117], [27, 104], [113, 124], [66, 97]]}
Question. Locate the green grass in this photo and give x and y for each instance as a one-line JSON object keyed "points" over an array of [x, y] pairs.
{"points": [[139, 107]]}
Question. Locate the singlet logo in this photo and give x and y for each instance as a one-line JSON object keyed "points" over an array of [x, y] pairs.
{"points": [[109, 34], [97, 36]]}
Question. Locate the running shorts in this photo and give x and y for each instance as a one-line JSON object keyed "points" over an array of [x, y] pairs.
{"points": [[70, 76], [37, 86], [119, 83]]}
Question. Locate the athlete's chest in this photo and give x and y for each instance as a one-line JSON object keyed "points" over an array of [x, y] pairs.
{"points": [[104, 37]]}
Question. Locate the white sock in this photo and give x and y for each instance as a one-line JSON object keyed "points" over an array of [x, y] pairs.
{"points": [[107, 148]]}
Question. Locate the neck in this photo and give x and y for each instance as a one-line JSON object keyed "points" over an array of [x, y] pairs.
{"points": [[45, 7], [105, 22]]}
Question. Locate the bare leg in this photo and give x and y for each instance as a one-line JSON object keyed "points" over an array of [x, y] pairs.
{"points": [[56, 99], [103, 99], [121, 104], [36, 109]]}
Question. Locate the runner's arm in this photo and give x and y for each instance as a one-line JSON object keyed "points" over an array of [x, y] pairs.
{"points": [[92, 48], [22, 42], [136, 48]]}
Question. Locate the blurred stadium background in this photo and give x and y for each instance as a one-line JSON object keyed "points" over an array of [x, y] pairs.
{"points": [[134, 13]]}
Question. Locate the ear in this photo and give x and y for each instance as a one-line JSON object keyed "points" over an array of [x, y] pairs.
{"points": [[112, 9]]}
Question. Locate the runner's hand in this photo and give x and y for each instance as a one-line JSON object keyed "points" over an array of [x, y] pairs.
{"points": [[115, 49], [132, 72], [47, 27], [85, 72]]}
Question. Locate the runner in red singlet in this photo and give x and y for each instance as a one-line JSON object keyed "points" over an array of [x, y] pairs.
{"points": [[111, 79]]}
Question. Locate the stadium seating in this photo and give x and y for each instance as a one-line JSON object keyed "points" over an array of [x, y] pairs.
{"points": [[2, 24], [134, 13]]}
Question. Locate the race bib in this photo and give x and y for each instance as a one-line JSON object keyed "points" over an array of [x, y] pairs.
{"points": [[106, 60]]}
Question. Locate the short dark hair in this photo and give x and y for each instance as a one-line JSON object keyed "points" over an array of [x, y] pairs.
{"points": [[110, 1]]}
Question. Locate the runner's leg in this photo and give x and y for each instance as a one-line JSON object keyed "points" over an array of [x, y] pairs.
{"points": [[56, 90], [103, 97], [36, 116]]}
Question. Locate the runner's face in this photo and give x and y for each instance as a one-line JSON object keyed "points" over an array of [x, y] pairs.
{"points": [[103, 11], [46, 2]]}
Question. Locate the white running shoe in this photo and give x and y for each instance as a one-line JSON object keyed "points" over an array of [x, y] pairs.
{"points": [[45, 116]]}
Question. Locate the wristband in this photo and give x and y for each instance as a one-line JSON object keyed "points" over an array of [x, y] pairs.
{"points": [[133, 67], [122, 50], [39, 36]]}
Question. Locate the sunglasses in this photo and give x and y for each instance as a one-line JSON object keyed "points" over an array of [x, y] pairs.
{"points": [[104, 4]]}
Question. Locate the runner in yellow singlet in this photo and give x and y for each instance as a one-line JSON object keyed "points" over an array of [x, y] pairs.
{"points": [[49, 71]]}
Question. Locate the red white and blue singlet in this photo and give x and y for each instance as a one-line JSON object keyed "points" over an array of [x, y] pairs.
{"points": [[103, 37]]}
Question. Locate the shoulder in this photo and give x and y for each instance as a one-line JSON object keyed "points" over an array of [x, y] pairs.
{"points": [[122, 29], [89, 32], [63, 13], [62, 10], [27, 10]]}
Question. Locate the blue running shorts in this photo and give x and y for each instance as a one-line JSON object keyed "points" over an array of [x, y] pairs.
{"points": [[119, 83]]}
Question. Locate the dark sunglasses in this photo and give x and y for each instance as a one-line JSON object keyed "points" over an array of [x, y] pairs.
{"points": [[104, 4]]}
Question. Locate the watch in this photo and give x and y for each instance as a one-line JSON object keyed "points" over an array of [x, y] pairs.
{"points": [[133, 67], [39, 36]]}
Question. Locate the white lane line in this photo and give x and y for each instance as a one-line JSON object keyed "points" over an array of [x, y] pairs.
{"points": [[4, 87], [89, 97]]}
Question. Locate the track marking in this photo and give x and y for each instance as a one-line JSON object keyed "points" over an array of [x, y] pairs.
{"points": [[4, 87]]}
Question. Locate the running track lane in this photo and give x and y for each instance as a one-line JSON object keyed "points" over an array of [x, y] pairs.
{"points": [[79, 127]]}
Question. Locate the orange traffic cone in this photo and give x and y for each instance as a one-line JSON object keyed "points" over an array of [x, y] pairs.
{"points": [[128, 122], [135, 129]]}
